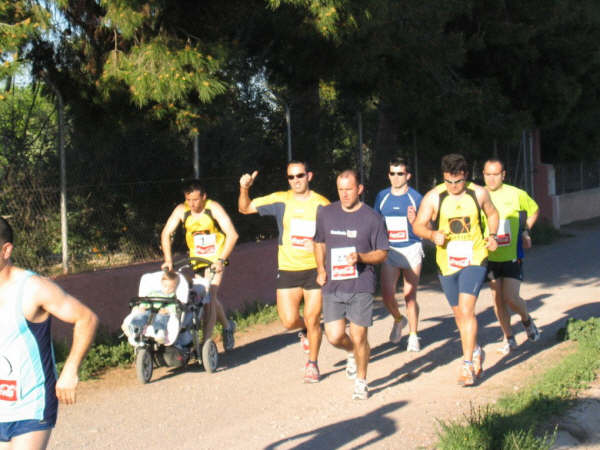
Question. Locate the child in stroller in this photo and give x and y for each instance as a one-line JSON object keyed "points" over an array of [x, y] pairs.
{"points": [[164, 327]]}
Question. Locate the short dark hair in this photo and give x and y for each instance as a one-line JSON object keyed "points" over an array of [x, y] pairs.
{"points": [[493, 161], [349, 173], [399, 161], [170, 275], [6, 232], [297, 161], [193, 185], [454, 163]]}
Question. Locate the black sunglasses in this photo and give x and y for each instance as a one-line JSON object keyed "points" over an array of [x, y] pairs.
{"points": [[454, 182], [298, 175]]}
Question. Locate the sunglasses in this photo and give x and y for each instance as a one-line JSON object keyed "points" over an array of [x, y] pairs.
{"points": [[298, 175], [454, 182], [400, 174]]}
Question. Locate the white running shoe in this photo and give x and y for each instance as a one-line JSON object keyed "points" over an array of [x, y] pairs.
{"points": [[351, 367], [508, 344], [533, 334], [413, 343], [361, 390], [396, 333]]}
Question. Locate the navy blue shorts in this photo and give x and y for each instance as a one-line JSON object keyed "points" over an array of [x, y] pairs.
{"points": [[9, 430], [466, 281]]}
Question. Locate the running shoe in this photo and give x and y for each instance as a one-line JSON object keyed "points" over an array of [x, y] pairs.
{"points": [[228, 336], [396, 333], [467, 376], [508, 344], [478, 358], [311, 373], [532, 331], [304, 342], [413, 343], [351, 367], [361, 390]]}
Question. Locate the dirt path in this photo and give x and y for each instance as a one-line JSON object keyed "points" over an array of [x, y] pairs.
{"points": [[257, 399]]}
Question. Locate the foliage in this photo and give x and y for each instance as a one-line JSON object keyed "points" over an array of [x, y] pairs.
{"points": [[515, 420]]}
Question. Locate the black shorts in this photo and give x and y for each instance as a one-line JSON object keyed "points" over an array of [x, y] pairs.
{"points": [[306, 279], [505, 269]]}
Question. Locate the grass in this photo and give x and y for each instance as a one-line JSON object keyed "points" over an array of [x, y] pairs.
{"points": [[517, 420]]}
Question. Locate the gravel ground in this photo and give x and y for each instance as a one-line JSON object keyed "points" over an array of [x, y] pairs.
{"points": [[256, 400]]}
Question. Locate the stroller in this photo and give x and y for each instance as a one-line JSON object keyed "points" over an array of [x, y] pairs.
{"points": [[171, 342]]}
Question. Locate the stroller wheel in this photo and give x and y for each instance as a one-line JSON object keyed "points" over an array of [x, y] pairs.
{"points": [[143, 365], [210, 356]]}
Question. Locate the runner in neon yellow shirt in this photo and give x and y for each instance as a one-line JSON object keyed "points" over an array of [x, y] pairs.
{"points": [[505, 265]]}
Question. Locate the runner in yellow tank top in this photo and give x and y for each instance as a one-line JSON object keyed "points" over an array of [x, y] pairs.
{"points": [[459, 219], [203, 235], [295, 212], [209, 234], [454, 208]]}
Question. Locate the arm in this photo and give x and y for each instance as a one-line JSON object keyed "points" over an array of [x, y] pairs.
{"points": [[427, 211], [492, 217], [231, 235], [244, 201], [372, 257], [165, 236], [320, 258], [43, 297]]}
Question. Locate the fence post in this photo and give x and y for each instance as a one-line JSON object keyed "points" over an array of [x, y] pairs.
{"points": [[288, 121], [63, 178]]}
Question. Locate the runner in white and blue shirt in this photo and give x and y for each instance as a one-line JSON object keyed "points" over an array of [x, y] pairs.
{"points": [[398, 204]]}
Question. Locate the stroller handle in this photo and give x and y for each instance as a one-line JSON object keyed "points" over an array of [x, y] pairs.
{"points": [[196, 260]]}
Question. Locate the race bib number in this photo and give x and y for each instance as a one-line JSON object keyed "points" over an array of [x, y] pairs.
{"points": [[397, 229], [460, 253], [340, 269], [302, 233], [503, 236], [205, 244], [8, 390]]}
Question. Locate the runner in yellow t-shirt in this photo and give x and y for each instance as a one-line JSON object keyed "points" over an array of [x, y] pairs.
{"points": [[209, 234], [505, 264], [455, 207], [296, 212]]}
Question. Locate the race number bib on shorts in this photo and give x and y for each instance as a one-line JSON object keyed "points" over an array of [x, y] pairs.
{"points": [[340, 269], [205, 244], [8, 390], [397, 229], [460, 253], [503, 236], [302, 233]]}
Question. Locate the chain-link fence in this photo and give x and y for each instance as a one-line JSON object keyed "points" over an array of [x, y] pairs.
{"points": [[108, 225], [576, 176]]}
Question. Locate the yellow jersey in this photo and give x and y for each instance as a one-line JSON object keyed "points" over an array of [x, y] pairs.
{"points": [[203, 235]]}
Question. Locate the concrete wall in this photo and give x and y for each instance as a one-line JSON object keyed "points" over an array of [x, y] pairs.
{"points": [[574, 206], [249, 278]]}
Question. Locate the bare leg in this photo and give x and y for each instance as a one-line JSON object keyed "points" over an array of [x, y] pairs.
{"points": [[411, 281], [288, 307], [336, 335], [510, 288], [362, 351], [500, 306], [313, 303], [389, 281], [466, 321]]}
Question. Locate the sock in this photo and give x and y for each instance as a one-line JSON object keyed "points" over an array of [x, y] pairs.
{"points": [[468, 363], [477, 351], [412, 333], [312, 362], [527, 322]]}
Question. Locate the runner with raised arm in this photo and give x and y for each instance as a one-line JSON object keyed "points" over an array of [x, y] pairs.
{"points": [[295, 211], [505, 270], [29, 389], [398, 205], [454, 208], [210, 235]]}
